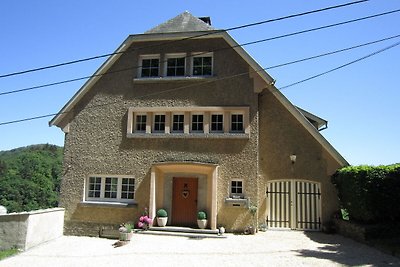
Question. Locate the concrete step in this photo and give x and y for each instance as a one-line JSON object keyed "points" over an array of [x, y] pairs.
{"points": [[183, 231]]}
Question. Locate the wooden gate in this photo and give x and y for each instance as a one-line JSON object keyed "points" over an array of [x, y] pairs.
{"points": [[294, 204]]}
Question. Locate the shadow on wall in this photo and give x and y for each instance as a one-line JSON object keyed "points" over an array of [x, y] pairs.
{"points": [[341, 250]]}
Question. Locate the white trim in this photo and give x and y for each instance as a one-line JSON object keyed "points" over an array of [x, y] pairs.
{"points": [[102, 198]]}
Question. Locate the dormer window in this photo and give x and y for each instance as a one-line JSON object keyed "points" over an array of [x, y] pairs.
{"points": [[175, 65], [149, 66], [202, 65]]}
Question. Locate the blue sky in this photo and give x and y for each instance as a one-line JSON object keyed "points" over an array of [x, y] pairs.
{"points": [[360, 101]]}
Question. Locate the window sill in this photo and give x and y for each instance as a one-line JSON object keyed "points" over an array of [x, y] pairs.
{"points": [[108, 204], [189, 136], [237, 202], [173, 79]]}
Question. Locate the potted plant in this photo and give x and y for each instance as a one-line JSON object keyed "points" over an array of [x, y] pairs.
{"points": [[126, 231], [202, 219], [162, 217]]}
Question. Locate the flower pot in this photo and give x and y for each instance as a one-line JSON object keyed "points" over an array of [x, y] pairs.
{"points": [[125, 236], [202, 224], [162, 221]]}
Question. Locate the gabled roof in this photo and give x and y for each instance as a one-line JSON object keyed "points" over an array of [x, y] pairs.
{"points": [[184, 22], [185, 26], [319, 123]]}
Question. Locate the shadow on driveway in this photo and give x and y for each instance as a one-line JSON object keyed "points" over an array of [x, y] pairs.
{"points": [[336, 248]]}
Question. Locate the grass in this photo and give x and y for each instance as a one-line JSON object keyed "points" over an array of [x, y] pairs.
{"points": [[7, 253]]}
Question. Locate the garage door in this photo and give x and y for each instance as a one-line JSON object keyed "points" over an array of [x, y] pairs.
{"points": [[294, 204]]}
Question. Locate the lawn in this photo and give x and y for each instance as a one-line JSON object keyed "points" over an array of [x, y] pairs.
{"points": [[7, 253]]}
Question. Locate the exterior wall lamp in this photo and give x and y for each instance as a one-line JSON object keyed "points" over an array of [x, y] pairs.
{"points": [[293, 158]]}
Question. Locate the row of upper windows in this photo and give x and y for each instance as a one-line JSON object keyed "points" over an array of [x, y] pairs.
{"points": [[197, 123], [176, 65]]}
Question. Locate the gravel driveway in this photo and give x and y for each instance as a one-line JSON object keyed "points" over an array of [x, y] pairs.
{"points": [[271, 248]]}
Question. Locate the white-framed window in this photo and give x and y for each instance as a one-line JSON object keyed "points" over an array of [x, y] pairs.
{"points": [[202, 64], [175, 65], [140, 123], [178, 123], [110, 188], [149, 66], [236, 189], [237, 123], [205, 121], [197, 123], [159, 123], [217, 123]]}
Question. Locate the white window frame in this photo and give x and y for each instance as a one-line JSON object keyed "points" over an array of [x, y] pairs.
{"points": [[140, 64], [201, 54], [154, 122], [102, 197], [135, 130], [174, 56], [172, 123], [191, 122], [222, 123], [235, 194], [231, 123]]}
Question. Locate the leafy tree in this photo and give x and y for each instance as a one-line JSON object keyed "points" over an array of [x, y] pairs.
{"points": [[30, 177]]}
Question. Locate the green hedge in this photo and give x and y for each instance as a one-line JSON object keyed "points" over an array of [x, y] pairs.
{"points": [[370, 194]]}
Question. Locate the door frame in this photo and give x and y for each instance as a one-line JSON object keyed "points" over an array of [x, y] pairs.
{"points": [[157, 187]]}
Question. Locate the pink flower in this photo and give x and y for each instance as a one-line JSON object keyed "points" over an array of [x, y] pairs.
{"points": [[140, 224], [142, 218], [148, 220]]}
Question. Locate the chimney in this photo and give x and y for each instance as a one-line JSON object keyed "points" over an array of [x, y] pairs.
{"points": [[206, 20]]}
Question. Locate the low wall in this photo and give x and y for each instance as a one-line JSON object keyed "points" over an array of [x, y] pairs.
{"points": [[28, 229]]}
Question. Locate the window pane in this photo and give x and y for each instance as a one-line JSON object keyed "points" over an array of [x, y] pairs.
{"points": [[110, 190], [180, 71], [178, 123], [128, 188], [154, 63], [145, 63], [94, 187], [217, 123], [154, 72], [207, 61]]}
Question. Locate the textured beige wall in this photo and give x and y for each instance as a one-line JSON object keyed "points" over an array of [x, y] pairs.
{"points": [[282, 135], [97, 142]]}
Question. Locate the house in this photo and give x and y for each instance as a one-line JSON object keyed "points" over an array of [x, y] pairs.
{"points": [[183, 118]]}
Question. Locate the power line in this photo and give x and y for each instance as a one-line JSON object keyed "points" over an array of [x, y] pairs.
{"points": [[210, 81], [216, 50], [192, 37], [341, 66]]}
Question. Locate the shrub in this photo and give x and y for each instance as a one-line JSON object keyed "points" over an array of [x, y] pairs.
{"points": [[369, 194], [162, 213], [201, 215]]}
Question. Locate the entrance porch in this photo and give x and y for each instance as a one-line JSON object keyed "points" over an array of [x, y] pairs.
{"points": [[183, 189]]}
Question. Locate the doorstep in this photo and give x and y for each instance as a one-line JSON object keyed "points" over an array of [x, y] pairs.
{"points": [[183, 231]]}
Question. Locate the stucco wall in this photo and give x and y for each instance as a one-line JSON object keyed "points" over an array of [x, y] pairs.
{"points": [[282, 135], [28, 229], [97, 141]]}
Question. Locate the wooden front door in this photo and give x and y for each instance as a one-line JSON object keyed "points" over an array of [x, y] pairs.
{"points": [[184, 201]]}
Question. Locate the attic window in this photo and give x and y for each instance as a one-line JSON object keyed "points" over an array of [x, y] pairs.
{"points": [[149, 66], [202, 65]]}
